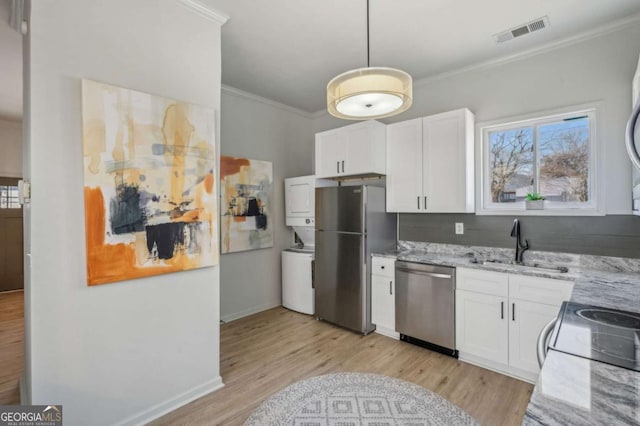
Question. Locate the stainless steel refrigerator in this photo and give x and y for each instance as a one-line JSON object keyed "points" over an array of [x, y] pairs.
{"points": [[351, 223]]}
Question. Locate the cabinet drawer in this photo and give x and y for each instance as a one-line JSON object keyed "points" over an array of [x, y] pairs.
{"points": [[541, 290], [486, 282], [383, 266]]}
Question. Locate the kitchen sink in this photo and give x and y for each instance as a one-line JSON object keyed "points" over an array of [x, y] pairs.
{"points": [[522, 266]]}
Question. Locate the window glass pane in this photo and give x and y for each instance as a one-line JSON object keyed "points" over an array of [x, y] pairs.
{"points": [[3, 203], [511, 164], [563, 152], [13, 191]]}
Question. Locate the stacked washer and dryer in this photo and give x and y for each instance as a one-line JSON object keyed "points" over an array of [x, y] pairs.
{"points": [[297, 261]]}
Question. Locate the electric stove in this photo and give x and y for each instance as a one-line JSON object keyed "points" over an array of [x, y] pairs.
{"points": [[601, 334]]}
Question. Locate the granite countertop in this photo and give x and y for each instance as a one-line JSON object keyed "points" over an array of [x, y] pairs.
{"points": [[570, 389], [574, 390]]}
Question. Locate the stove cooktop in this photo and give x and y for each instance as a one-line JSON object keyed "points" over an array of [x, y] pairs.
{"points": [[600, 334]]}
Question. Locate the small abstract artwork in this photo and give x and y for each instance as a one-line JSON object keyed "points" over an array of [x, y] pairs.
{"points": [[245, 207], [149, 184]]}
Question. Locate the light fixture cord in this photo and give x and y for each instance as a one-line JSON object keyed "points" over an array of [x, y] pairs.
{"points": [[368, 50]]}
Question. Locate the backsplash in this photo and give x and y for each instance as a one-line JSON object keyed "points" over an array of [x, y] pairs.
{"points": [[615, 235], [598, 263]]}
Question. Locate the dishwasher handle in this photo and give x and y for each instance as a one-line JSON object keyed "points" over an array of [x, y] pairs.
{"points": [[543, 341], [429, 274]]}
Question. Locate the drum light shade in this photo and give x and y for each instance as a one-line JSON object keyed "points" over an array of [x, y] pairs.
{"points": [[368, 93]]}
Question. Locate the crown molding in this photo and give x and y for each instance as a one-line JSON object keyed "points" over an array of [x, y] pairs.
{"points": [[205, 11], [548, 47], [229, 90]]}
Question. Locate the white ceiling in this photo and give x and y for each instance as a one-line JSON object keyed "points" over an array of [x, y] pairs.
{"points": [[10, 67], [287, 50]]}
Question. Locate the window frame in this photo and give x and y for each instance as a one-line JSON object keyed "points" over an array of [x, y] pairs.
{"points": [[10, 182], [593, 207]]}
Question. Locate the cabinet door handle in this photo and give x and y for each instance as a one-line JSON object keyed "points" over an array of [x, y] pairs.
{"points": [[390, 287], [418, 202], [501, 310], [425, 202], [513, 311], [338, 166], [342, 166]]}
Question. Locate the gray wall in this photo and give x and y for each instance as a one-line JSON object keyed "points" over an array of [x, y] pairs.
{"points": [[605, 235], [11, 144], [251, 281], [595, 70], [141, 347]]}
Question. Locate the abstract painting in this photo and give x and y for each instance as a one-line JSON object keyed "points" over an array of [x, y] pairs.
{"points": [[149, 184], [246, 193]]}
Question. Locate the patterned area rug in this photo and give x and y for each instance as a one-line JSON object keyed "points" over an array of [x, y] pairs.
{"points": [[357, 399]]}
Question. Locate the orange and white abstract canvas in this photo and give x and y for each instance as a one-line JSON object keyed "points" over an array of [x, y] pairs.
{"points": [[246, 222], [149, 184]]}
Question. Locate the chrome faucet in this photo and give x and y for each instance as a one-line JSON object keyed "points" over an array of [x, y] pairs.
{"points": [[520, 249]]}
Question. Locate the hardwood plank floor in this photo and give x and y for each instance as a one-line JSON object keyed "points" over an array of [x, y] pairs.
{"points": [[263, 353], [11, 346]]}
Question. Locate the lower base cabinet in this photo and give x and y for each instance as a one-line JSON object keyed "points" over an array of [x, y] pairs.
{"points": [[383, 296], [499, 317], [481, 328]]}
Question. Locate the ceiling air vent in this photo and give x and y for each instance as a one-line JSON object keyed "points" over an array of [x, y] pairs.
{"points": [[535, 25]]}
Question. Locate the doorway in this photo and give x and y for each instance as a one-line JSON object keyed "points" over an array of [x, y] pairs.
{"points": [[12, 280], [11, 236]]}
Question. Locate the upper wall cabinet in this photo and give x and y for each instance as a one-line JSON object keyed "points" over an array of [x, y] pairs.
{"points": [[358, 149], [430, 164]]}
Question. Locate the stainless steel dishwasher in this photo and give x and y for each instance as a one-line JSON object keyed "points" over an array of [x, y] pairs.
{"points": [[425, 305]]}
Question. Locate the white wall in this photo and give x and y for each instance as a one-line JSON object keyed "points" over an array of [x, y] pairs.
{"points": [[250, 281], [599, 69], [11, 148], [124, 352]]}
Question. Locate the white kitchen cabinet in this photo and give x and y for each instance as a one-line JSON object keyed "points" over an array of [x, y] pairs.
{"points": [[526, 320], [499, 317], [482, 325], [430, 164], [383, 305], [358, 149]]}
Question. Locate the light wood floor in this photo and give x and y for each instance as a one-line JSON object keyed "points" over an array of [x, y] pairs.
{"points": [[11, 346], [266, 352]]}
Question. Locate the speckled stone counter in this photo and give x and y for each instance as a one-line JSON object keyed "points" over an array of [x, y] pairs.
{"points": [[570, 390], [576, 391]]}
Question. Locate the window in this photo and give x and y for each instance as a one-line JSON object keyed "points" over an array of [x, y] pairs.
{"points": [[553, 156], [9, 197]]}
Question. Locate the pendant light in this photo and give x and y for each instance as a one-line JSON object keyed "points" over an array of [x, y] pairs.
{"points": [[371, 92]]}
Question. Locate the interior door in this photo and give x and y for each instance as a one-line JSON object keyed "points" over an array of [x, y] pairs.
{"points": [[11, 236]]}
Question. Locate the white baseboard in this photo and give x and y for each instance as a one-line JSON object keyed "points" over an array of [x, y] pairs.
{"points": [[171, 404], [250, 311]]}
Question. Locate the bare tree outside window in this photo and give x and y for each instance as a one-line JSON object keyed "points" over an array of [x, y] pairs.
{"points": [[564, 160], [511, 162], [551, 158]]}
